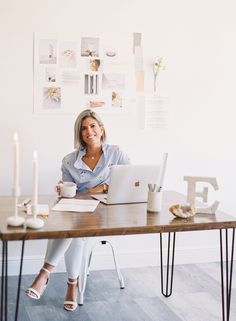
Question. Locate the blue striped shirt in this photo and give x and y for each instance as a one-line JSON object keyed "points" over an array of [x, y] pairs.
{"points": [[75, 170]]}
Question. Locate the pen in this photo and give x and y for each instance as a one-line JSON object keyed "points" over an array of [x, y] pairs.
{"points": [[25, 202], [162, 171]]}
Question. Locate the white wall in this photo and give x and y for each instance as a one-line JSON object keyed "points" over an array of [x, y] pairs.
{"points": [[197, 40]]}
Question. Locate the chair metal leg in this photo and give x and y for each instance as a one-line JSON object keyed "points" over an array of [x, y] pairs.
{"points": [[119, 275], [169, 266], [226, 264], [86, 261]]}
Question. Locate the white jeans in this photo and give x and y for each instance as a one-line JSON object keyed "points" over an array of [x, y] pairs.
{"points": [[73, 251]]}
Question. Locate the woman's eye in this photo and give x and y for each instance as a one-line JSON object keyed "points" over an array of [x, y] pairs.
{"points": [[93, 125]]}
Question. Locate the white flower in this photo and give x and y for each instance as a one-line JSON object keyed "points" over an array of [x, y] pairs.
{"points": [[53, 93], [158, 65], [68, 53]]}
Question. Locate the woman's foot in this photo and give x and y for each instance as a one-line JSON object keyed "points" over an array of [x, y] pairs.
{"points": [[70, 303], [37, 288]]}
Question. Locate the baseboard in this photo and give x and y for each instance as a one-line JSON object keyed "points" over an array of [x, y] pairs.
{"points": [[126, 259]]}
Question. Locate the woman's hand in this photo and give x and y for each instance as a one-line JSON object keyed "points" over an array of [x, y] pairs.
{"points": [[98, 189], [57, 188]]}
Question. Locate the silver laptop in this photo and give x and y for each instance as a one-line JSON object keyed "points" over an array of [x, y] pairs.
{"points": [[129, 184]]}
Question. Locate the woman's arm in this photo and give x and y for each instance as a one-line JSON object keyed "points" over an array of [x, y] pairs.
{"points": [[66, 176], [98, 189]]}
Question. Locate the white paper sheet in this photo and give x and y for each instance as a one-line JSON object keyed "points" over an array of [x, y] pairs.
{"points": [[75, 205]]}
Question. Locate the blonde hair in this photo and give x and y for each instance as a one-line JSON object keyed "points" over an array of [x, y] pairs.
{"points": [[78, 140]]}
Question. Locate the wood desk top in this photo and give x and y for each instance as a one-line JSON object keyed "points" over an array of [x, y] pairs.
{"points": [[107, 220]]}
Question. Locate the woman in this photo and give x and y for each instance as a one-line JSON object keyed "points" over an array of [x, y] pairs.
{"points": [[89, 167]]}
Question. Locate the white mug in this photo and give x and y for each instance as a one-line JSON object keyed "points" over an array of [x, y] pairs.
{"points": [[154, 202], [67, 189]]}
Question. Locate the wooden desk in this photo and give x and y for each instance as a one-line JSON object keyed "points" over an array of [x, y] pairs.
{"points": [[122, 219]]}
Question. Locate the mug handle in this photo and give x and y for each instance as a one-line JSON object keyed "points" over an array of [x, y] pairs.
{"points": [[58, 187]]}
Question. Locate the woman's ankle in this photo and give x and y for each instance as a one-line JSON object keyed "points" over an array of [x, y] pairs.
{"points": [[47, 267], [72, 281]]}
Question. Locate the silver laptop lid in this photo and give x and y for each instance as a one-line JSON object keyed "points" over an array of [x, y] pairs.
{"points": [[129, 183]]}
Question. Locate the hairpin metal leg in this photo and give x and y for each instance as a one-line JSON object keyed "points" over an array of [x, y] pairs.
{"points": [[169, 266], [3, 279], [226, 264], [19, 280], [4, 285]]}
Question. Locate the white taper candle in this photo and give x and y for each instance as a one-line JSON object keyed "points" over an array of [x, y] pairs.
{"points": [[16, 187], [35, 178]]}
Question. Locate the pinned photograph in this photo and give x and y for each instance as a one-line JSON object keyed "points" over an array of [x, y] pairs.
{"points": [[50, 74], [70, 76], [51, 98], [67, 54], [116, 99], [47, 51], [91, 84], [137, 37], [96, 103], [113, 81], [94, 65], [89, 47]]}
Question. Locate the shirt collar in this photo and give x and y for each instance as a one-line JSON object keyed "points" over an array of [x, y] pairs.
{"points": [[79, 164]]}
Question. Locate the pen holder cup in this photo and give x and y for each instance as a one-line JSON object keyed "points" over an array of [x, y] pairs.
{"points": [[154, 202]]}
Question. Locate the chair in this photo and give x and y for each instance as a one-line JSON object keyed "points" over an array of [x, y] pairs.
{"points": [[85, 265]]}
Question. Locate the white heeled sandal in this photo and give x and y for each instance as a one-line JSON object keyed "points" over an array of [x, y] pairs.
{"points": [[71, 305], [34, 294]]}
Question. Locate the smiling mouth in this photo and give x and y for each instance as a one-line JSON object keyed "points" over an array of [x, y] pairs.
{"points": [[91, 136]]}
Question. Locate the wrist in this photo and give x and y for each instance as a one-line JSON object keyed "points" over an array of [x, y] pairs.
{"points": [[105, 188]]}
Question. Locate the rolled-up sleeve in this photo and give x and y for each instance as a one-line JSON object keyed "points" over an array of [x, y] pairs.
{"points": [[123, 158]]}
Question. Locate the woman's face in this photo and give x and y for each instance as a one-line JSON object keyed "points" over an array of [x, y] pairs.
{"points": [[91, 132]]}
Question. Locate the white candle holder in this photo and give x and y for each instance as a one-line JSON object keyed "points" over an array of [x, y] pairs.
{"points": [[34, 222], [15, 220]]}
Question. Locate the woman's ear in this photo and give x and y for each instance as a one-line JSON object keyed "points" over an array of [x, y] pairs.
{"points": [[102, 133]]}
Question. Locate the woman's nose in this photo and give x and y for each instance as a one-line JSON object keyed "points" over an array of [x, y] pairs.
{"points": [[89, 130]]}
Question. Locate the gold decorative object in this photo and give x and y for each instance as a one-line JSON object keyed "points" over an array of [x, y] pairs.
{"points": [[183, 210]]}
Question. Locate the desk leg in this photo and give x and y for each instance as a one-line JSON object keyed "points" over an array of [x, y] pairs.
{"points": [[4, 285], [19, 280], [227, 269], [4, 281], [169, 266]]}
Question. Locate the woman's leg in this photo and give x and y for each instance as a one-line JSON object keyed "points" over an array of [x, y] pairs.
{"points": [[73, 258], [55, 250]]}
